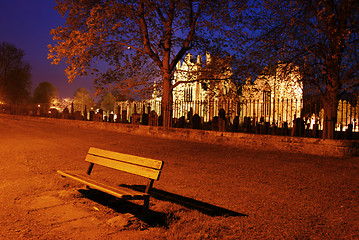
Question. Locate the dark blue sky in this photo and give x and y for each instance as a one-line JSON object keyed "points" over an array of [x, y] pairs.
{"points": [[26, 24]]}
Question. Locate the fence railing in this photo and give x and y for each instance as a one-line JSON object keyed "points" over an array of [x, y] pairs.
{"points": [[278, 112], [280, 116]]}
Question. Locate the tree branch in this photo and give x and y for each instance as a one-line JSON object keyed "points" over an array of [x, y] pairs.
{"points": [[145, 36], [190, 35]]}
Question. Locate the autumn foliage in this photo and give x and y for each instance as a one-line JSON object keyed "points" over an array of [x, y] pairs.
{"points": [[140, 41]]}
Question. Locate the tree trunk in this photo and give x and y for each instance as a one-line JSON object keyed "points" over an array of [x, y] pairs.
{"points": [[330, 104], [167, 100], [331, 96]]}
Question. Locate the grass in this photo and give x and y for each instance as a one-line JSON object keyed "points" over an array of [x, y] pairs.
{"points": [[184, 223], [167, 220]]}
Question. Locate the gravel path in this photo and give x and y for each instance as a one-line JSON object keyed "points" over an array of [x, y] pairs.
{"points": [[282, 195]]}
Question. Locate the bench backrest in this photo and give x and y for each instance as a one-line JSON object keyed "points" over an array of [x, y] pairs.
{"points": [[145, 167]]}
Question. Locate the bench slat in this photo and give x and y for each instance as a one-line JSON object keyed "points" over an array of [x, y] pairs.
{"points": [[123, 166], [151, 163], [115, 191]]}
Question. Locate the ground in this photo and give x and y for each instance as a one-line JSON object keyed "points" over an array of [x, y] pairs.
{"points": [[204, 192]]}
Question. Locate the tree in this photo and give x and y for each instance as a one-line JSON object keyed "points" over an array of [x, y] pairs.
{"points": [[141, 40], [320, 37], [82, 99], [45, 92], [15, 77], [108, 103], [215, 75], [218, 77]]}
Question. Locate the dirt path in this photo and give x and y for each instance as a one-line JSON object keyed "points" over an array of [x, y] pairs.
{"points": [[283, 196]]}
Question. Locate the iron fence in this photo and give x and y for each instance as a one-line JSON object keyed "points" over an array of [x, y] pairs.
{"points": [[278, 113], [275, 116]]}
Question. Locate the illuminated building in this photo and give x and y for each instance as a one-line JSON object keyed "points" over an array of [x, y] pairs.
{"points": [[276, 96]]}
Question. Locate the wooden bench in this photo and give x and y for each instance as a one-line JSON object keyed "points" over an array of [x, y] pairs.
{"points": [[144, 167]]}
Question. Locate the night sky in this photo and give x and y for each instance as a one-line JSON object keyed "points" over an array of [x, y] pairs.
{"points": [[26, 24]]}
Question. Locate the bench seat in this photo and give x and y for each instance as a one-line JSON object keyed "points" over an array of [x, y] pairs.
{"points": [[119, 192]]}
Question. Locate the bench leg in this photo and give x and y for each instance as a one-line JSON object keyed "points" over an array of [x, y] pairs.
{"points": [[146, 204], [89, 170]]}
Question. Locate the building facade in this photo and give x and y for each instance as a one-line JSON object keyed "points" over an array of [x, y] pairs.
{"points": [[200, 89], [276, 96]]}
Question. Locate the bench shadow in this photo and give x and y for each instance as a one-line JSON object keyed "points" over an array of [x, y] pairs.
{"points": [[190, 203], [150, 217]]}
